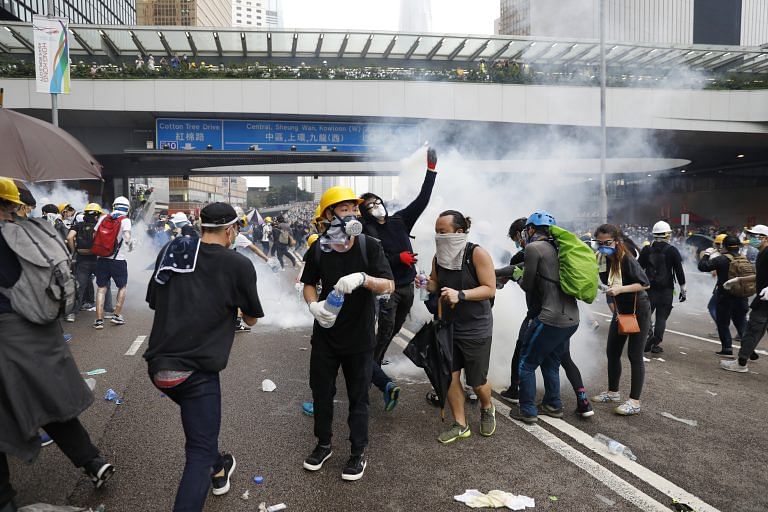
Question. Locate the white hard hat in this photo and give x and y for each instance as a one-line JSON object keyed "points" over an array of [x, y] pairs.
{"points": [[121, 201], [179, 219], [759, 229], [661, 228]]}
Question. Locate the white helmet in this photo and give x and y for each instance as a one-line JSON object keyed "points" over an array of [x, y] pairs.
{"points": [[179, 219], [661, 228], [121, 201]]}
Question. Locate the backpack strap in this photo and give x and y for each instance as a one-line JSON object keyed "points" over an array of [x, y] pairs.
{"points": [[361, 240]]}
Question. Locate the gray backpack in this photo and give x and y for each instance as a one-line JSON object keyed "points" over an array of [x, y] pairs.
{"points": [[46, 288]]}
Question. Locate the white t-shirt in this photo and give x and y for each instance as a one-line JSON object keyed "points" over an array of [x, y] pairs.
{"points": [[267, 232], [125, 225], [241, 242]]}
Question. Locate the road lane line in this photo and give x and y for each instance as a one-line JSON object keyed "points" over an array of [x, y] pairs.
{"points": [[135, 345], [614, 482], [646, 475], [761, 352]]}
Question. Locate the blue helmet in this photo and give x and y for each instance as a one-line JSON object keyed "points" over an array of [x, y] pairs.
{"points": [[541, 218]]}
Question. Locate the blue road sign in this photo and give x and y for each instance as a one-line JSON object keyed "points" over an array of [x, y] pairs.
{"points": [[241, 135]]}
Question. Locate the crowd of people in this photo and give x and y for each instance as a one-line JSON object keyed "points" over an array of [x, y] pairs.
{"points": [[359, 279]]}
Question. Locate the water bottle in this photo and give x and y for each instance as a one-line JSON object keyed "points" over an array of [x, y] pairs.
{"points": [[334, 301], [274, 264], [423, 280], [614, 447]]}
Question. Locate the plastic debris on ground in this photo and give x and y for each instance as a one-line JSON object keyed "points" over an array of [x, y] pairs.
{"points": [[246, 495], [277, 508], [553, 498], [659, 359], [258, 479], [97, 371], [303, 348], [268, 386], [692, 423], [711, 393], [44, 507], [684, 353], [495, 499], [308, 408], [614, 447], [91, 383], [605, 500], [110, 395]]}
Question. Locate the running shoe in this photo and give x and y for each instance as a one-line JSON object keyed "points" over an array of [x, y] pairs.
{"points": [[488, 421], [88, 307], [67, 337], [45, 439], [99, 471], [220, 481], [548, 410], [627, 409], [318, 456], [98, 324], [510, 395], [391, 396], [733, 366], [584, 409], [754, 356], [70, 318], [606, 397], [516, 414], [109, 314], [354, 468], [242, 327], [471, 395], [457, 431], [725, 353], [656, 349], [117, 320]]}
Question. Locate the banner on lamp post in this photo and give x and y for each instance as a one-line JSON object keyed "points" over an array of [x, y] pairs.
{"points": [[51, 40]]}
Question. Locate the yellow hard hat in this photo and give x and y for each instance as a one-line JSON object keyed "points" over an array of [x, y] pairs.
{"points": [[92, 207], [646, 243], [312, 239], [63, 206], [719, 238], [336, 195], [9, 191], [267, 219]]}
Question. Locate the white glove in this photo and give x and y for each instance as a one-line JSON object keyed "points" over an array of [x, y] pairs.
{"points": [[324, 317], [350, 282], [710, 251], [764, 294], [730, 283]]}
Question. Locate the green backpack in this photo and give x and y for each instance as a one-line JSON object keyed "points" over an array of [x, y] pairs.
{"points": [[578, 265]]}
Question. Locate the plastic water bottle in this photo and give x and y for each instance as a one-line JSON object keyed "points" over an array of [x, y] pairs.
{"points": [[614, 447], [423, 280], [274, 264], [334, 301]]}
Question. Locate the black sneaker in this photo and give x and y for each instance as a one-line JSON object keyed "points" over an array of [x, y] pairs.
{"points": [[354, 468], [99, 471], [510, 395], [221, 483], [754, 356], [318, 456], [516, 414], [584, 409], [242, 327], [551, 411], [725, 353], [656, 349]]}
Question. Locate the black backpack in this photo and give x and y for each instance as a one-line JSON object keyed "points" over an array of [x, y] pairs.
{"points": [[657, 269], [84, 238]]}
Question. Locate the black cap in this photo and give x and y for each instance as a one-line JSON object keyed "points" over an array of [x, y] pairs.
{"points": [[731, 242], [27, 198], [217, 214], [50, 208]]}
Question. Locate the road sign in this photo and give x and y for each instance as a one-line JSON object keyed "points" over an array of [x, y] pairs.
{"points": [[685, 219], [243, 135]]}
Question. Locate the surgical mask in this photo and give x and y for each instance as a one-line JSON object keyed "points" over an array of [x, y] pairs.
{"points": [[606, 251], [378, 212], [756, 242], [450, 250]]}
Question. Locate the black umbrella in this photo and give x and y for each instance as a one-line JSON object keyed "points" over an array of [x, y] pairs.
{"points": [[700, 242], [432, 349]]}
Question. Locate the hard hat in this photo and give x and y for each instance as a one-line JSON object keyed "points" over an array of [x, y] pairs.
{"points": [[541, 218], [267, 219], [759, 229], [661, 228], [63, 206], [92, 207], [646, 243], [336, 195], [121, 201], [179, 219], [9, 191], [312, 239], [719, 238]]}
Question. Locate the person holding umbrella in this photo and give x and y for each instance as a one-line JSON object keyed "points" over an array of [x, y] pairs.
{"points": [[463, 276]]}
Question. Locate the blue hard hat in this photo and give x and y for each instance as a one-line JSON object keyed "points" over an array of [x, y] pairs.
{"points": [[541, 218]]}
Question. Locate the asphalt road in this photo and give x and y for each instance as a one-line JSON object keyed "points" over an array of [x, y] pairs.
{"points": [[721, 460]]}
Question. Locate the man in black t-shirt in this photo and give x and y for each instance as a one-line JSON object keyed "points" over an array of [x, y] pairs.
{"points": [[344, 338], [191, 339]]}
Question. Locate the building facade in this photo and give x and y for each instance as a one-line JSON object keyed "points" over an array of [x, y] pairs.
{"points": [[88, 12], [193, 193], [256, 14], [726, 22], [193, 13]]}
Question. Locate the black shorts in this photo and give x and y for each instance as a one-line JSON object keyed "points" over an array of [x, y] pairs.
{"points": [[473, 356], [107, 268]]}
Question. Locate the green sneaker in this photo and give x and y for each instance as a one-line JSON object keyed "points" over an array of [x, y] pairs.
{"points": [[457, 431], [488, 421]]}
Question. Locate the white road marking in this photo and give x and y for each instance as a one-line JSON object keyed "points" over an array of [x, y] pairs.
{"points": [[135, 345], [646, 475], [761, 352], [615, 483]]}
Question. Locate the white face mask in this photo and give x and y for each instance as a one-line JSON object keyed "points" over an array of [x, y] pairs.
{"points": [[378, 212], [450, 249]]}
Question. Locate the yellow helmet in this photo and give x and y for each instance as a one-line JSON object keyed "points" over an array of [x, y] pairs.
{"points": [[720, 238], [336, 195], [267, 219], [312, 239], [646, 243], [63, 206], [9, 191], [92, 207]]}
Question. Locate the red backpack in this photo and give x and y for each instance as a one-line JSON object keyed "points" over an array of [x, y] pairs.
{"points": [[105, 238]]}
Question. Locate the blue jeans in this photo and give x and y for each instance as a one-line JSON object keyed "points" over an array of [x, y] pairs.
{"points": [[199, 398], [543, 346]]}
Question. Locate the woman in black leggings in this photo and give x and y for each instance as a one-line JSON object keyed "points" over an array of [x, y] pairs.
{"points": [[626, 282]]}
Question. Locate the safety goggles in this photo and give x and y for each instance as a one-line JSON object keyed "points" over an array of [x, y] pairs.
{"points": [[373, 204], [603, 243]]}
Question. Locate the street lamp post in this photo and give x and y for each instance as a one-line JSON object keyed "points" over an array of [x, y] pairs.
{"points": [[54, 97], [603, 133]]}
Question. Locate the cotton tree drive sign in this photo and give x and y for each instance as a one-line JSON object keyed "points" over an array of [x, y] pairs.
{"points": [[51, 40]]}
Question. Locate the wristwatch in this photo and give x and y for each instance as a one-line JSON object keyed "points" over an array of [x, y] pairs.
{"points": [[462, 297]]}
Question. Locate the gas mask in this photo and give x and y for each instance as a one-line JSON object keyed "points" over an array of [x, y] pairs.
{"points": [[340, 232]]}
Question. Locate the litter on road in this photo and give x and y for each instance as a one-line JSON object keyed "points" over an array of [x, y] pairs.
{"points": [[268, 386], [495, 499], [605, 500], [711, 393], [692, 423], [659, 359], [258, 479], [246, 495], [97, 371]]}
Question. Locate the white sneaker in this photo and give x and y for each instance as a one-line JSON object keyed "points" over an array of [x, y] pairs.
{"points": [[733, 366], [607, 397], [627, 409], [117, 319], [70, 318]]}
